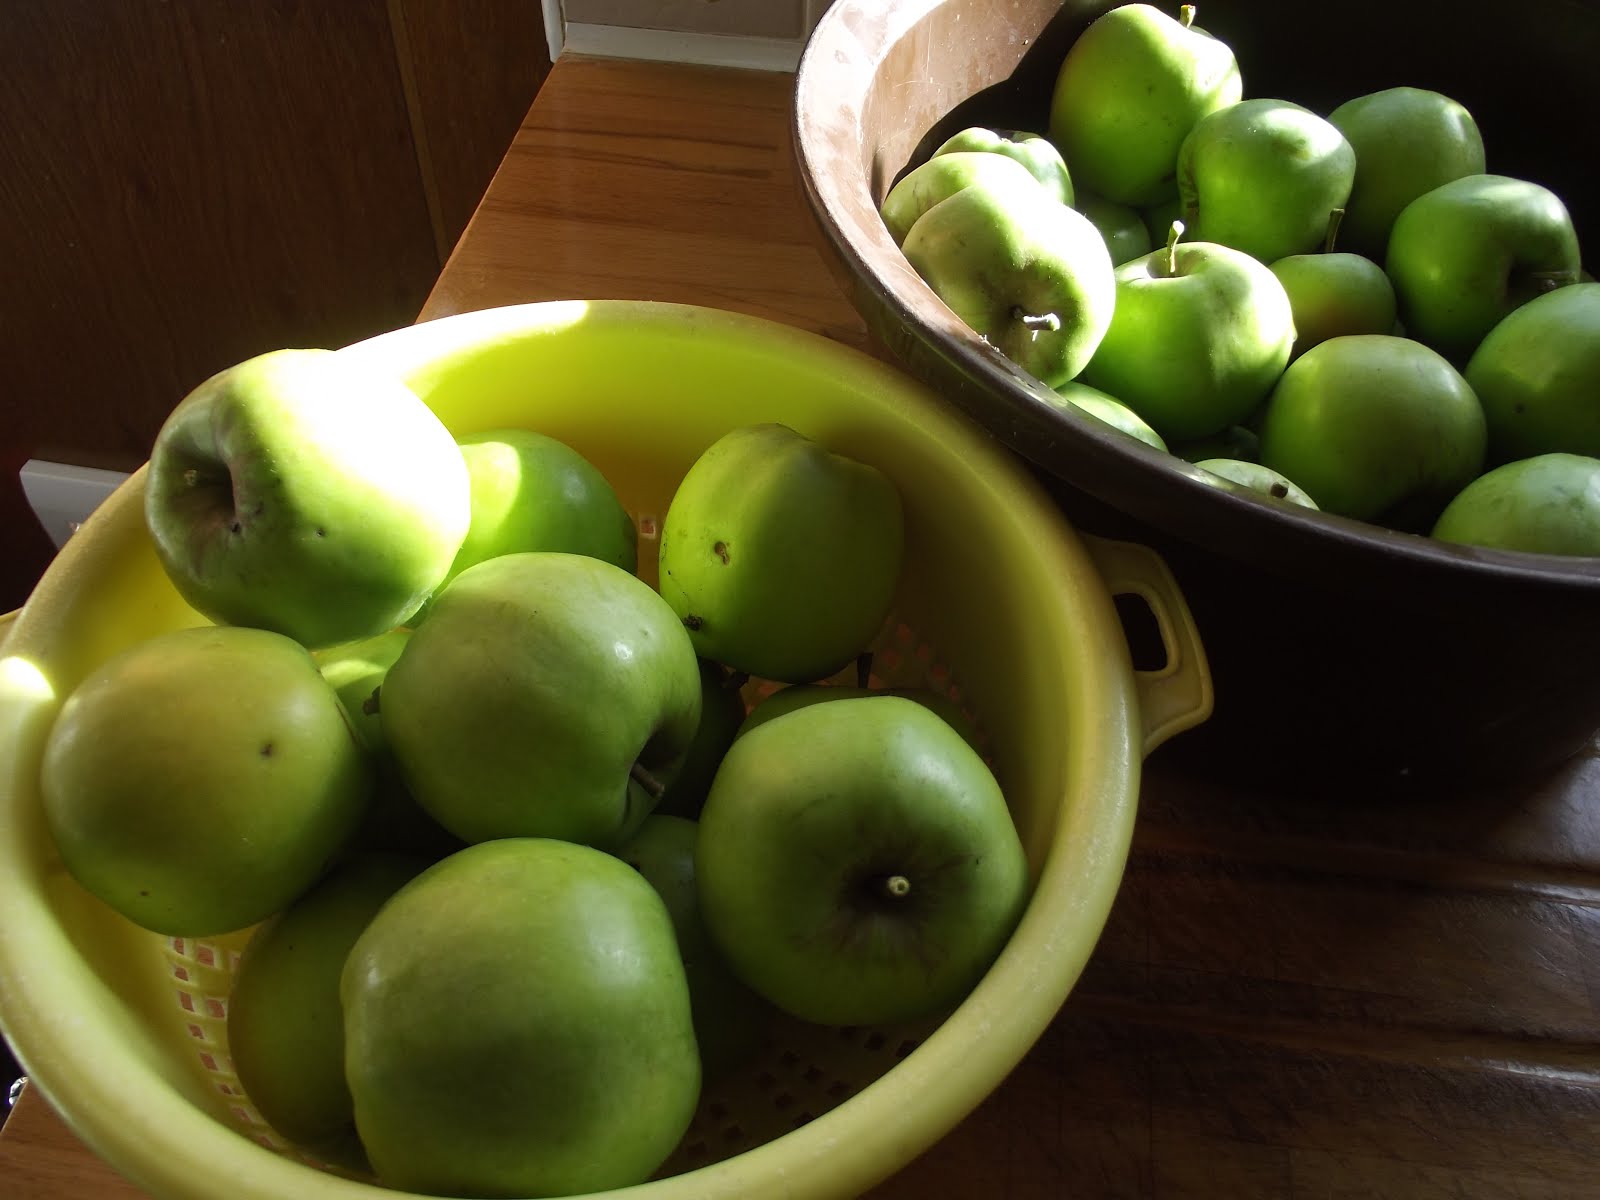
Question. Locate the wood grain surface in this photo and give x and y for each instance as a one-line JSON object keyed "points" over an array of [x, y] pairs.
{"points": [[1295, 999]]}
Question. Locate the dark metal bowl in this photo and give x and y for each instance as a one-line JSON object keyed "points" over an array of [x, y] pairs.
{"points": [[1343, 653]]}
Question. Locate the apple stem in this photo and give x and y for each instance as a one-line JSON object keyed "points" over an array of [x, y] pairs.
{"points": [[1549, 281], [1168, 262], [653, 786], [864, 669], [1335, 219], [1047, 322], [1186, 15], [895, 887], [734, 680]]}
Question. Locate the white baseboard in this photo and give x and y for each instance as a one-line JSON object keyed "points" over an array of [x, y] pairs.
{"points": [[662, 45]]}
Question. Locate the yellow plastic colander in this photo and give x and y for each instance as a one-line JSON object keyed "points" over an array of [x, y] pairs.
{"points": [[1003, 605]]}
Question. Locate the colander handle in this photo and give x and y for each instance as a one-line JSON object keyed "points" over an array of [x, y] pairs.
{"points": [[1178, 695]]}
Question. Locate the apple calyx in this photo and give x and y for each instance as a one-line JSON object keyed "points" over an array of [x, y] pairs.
{"points": [[894, 887]]}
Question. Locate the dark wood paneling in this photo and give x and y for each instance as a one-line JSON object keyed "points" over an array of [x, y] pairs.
{"points": [[472, 68], [185, 183]]}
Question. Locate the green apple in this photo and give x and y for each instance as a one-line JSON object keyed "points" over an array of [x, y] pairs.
{"points": [[200, 780], [1127, 93], [1028, 275], [1408, 141], [1121, 227], [534, 492], [1113, 412], [1199, 335], [285, 1028], [1258, 478], [722, 711], [781, 557], [298, 493], [1334, 293], [536, 687], [942, 177], [517, 1023], [800, 695], [1263, 176], [1376, 427], [1537, 374], [857, 862], [1546, 504], [1467, 253], [729, 1018], [1033, 150], [394, 821]]}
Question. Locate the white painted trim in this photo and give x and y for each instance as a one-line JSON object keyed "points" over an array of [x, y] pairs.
{"points": [[555, 24], [62, 496], [662, 45]]}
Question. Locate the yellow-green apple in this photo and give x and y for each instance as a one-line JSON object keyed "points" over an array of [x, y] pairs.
{"points": [[1537, 374], [531, 491], [857, 862], [1030, 276], [1408, 141], [1258, 478], [1127, 93], [1083, 398], [729, 1018], [779, 556], [200, 780], [1546, 504], [1467, 253], [1263, 176], [1199, 335], [517, 1023], [942, 177], [298, 493], [1121, 227], [285, 1028], [1376, 427], [536, 687], [1033, 150]]}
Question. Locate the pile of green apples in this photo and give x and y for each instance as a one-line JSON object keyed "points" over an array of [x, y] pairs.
{"points": [[1345, 311], [518, 866]]}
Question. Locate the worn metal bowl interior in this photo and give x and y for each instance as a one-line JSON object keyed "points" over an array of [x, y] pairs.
{"points": [[1367, 655]]}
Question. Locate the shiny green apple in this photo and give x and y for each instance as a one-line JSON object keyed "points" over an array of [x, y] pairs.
{"points": [[942, 177], [1127, 93], [298, 493], [779, 556], [1537, 374], [521, 706], [1408, 141], [1028, 275], [857, 862], [517, 1023], [1033, 150], [1466, 254], [200, 780], [1376, 427], [1546, 504], [1199, 335], [1263, 176], [1083, 398], [1333, 293], [1258, 478]]}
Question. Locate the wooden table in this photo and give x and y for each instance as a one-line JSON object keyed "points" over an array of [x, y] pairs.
{"points": [[1293, 999]]}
